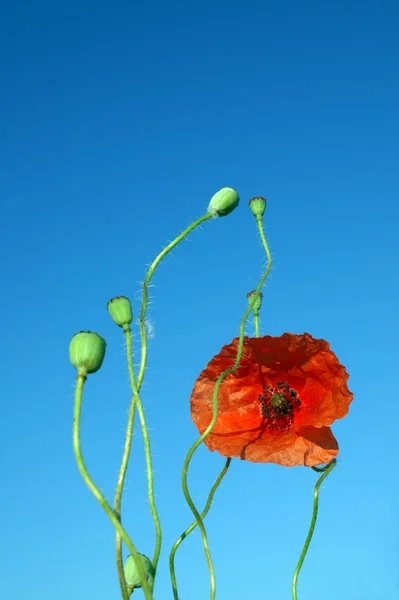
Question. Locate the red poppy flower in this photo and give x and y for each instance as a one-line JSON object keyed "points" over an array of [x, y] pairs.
{"points": [[278, 406]]}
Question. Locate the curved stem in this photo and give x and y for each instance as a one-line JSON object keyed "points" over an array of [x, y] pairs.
{"points": [[325, 472], [323, 469], [148, 277], [124, 466], [208, 430], [113, 517], [136, 386], [136, 403], [193, 526]]}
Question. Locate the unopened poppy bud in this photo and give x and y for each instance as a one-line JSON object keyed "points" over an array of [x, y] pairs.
{"points": [[258, 301], [120, 310], [223, 202], [131, 572], [87, 351], [257, 206]]}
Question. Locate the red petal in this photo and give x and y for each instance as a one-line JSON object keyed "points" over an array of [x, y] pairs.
{"points": [[309, 446], [308, 365]]}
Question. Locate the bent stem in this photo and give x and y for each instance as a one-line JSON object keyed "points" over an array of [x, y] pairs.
{"points": [[124, 466], [193, 526], [146, 283], [136, 386], [113, 517], [208, 430], [136, 403], [325, 472]]}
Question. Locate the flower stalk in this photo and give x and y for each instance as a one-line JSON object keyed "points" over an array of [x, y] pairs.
{"points": [[124, 466], [120, 311], [80, 381], [325, 472], [136, 385], [193, 526], [117, 308], [208, 430]]}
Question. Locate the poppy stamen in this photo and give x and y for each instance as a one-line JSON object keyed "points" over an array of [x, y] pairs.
{"points": [[279, 405]]}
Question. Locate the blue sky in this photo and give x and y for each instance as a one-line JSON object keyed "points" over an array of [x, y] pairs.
{"points": [[118, 123]]}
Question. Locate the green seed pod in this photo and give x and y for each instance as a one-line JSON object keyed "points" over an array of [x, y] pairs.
{"points": [[131, 572], [120, 310], [87, 351], [258, 301], [223, 202], [257, 206]]}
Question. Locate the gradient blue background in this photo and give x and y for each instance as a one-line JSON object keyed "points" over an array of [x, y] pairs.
{"points": [[118, 123]]}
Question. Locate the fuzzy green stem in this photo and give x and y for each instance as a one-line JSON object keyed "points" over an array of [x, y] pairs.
{"points": [[325, 472], [151, 495], [208, 430], [124, 466], [146, 283], [113, 517], [193, 526], [136, 386], [136, 403]]}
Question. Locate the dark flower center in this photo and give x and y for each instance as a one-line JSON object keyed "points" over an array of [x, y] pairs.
{"points": [[278, 406]]}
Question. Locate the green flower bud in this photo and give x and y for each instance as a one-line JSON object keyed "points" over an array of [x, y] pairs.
{"points": [[257, 205], [258, 301], [223, 202], [120, 310], [87, 351], [131, 572]]}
